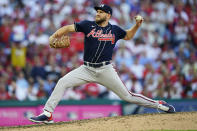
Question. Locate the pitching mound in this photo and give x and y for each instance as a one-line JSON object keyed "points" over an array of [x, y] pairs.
{"points": [[177, 121]]}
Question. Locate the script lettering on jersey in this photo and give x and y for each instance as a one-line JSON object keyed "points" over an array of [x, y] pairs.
{"points": [[102, 37]]}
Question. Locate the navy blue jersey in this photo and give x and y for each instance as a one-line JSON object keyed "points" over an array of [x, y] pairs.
{"points": [[99, 41]]}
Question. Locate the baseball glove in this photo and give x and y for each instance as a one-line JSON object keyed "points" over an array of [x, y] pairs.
{"points": [[60, 42]]}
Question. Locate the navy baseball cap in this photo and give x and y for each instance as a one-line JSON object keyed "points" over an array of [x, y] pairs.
{"points": [[105, 8]]}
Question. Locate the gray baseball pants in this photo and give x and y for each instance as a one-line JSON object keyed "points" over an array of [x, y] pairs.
{"points": [[106, 76]]}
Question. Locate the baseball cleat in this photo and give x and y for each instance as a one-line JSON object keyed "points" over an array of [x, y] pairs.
{"points": [[42, 118], [166, 107]]}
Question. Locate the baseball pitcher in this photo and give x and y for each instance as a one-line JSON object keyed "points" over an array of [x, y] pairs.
{"points": [[100, 39]]}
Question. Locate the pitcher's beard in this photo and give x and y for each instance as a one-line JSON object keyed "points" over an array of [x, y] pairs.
{"points": [[99, 22]]}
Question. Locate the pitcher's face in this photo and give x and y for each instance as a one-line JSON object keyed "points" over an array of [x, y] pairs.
{"points": [[101, 16]]}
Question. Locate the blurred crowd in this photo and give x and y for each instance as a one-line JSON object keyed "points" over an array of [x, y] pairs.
{"points": [[160, 62]]}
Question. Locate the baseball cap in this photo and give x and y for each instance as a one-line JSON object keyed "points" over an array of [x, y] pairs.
{"points": [[105, 8]]}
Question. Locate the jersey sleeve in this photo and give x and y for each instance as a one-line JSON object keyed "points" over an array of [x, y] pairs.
{"points": [[81, 26], [120, 33]]}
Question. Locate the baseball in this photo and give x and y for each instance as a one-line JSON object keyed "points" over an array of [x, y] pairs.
{"points": [[138, 18]]}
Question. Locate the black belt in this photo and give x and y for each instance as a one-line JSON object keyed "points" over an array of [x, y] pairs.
{"points": [[96, 65]]}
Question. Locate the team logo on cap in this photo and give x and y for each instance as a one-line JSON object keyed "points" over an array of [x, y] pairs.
{"points": [[102, 5]]}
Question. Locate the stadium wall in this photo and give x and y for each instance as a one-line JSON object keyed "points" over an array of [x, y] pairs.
{"points": [[14, 113]]}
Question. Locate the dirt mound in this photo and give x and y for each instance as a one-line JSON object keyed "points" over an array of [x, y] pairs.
{"points": [[177, 121]]}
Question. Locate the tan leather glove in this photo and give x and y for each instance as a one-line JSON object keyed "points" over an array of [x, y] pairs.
{"points": [[60, 42]]}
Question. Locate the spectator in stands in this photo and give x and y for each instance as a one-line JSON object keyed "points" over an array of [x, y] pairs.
{"points": [[38, 69], [3, 93], [41, 94], [5, 33], [49, 84], [18, 55], [22, 86], [12, 89], [32, 90], [91, 90]]}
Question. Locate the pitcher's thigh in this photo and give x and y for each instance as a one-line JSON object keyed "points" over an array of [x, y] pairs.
{"points": [[76, 77], [112, 81]]}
